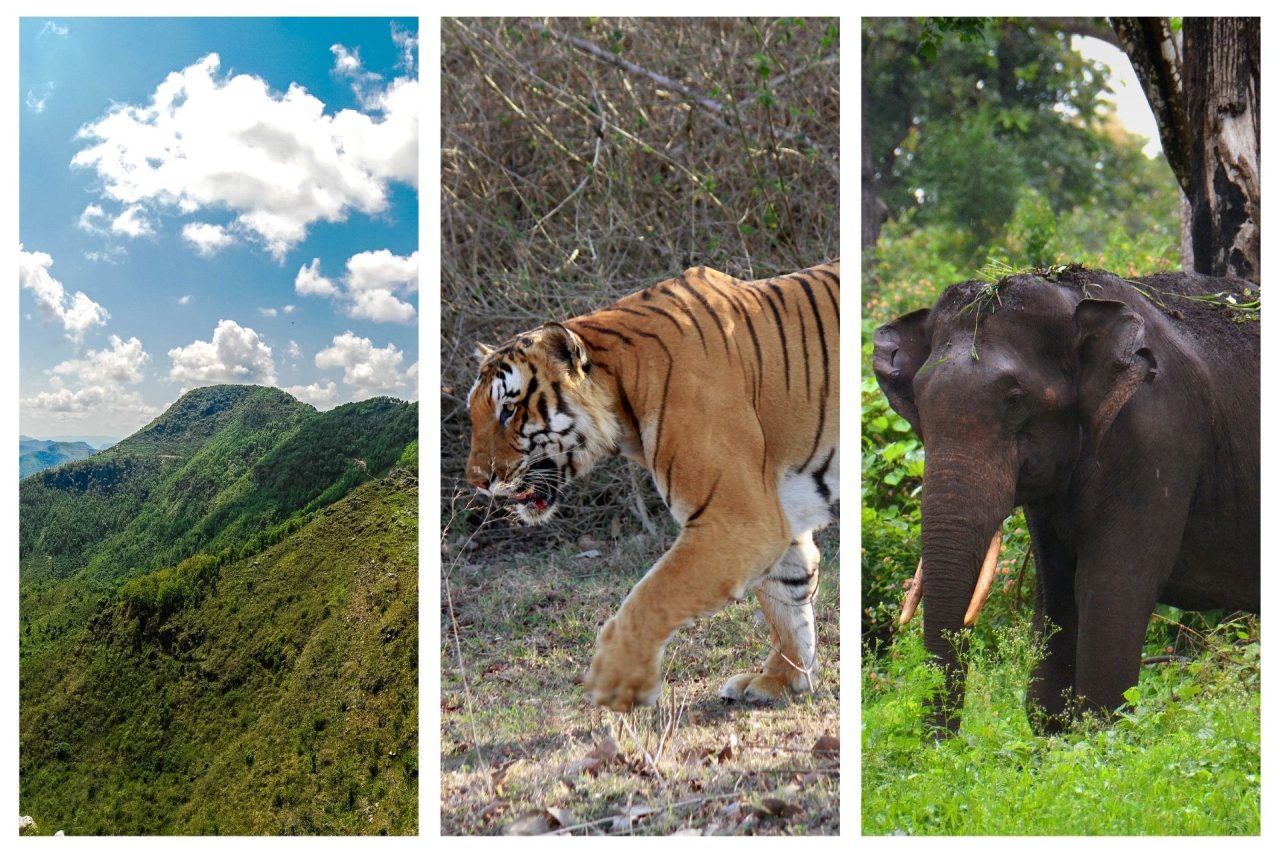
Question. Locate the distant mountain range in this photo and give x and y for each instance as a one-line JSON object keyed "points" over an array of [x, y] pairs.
{"points": [[219, 623], [37, 454]]}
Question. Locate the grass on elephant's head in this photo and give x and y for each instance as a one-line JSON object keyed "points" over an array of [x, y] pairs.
{"points": [[1182, 759], [522, 750]]}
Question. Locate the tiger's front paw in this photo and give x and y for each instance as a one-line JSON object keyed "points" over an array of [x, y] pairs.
{"points": [[621, 677], [760, 688]]}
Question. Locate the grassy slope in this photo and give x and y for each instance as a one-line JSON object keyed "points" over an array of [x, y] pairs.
{"points": [[516, 725], [285, 703], [147, 532], [1185, 760]]}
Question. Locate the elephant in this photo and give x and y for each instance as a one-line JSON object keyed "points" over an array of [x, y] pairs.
{"points": [[1122, 415]]}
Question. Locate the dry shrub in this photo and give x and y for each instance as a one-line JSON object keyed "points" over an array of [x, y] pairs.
{"points": [[584, 158]]}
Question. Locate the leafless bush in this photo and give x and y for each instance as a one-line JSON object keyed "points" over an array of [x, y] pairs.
{"points": [[584, 158]]}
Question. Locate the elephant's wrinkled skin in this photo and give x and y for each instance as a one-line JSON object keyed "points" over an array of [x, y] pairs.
{"points": [[1126, 426]]}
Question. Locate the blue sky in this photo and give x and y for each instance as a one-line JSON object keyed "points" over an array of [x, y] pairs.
{"points": [[214, 200]]}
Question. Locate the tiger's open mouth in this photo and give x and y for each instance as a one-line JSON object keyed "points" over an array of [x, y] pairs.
{"points": [[536, 498]]}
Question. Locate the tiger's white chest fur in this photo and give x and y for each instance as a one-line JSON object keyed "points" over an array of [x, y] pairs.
{"points": [[810, 497]]}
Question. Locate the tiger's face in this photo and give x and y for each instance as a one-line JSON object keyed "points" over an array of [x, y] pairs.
{"points": [[537, 420]]}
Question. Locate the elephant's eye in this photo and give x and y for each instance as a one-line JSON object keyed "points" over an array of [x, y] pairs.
{"points": [[1015, 405]]}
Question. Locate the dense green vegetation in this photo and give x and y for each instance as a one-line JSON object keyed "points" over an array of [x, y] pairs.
{"points": [[219, 623], [35, 454], [1183, 760], [990, 155]]}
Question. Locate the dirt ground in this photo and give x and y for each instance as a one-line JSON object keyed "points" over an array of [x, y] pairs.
{"points": [[523, 752]]}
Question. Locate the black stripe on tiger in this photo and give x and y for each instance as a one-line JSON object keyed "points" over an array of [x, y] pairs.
{"points": [[664, 290], [697, 513], [605, 330], [782, 333], [804, 348], [820, 477], [822, 332], [724, 334]]}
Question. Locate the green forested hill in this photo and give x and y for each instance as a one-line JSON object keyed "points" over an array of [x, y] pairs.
{"points": [[36, 455], [219, 626]]}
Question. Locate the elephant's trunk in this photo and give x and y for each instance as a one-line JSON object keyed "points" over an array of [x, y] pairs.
{"points": [[962, 511]]}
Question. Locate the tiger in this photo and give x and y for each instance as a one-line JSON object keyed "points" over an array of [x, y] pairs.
{"points": [[728, 393]]}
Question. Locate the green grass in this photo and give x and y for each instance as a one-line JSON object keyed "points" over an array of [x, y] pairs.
{"points": [[1182, 759], [516, 727], [219, 624], [285, 703]]}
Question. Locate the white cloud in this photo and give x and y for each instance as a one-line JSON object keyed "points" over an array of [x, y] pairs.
{"points": [[91, 389], [294, 351], [346, 63], [411, 379], [121, 364], [321, 396], [276, 160], [407, 41], [268, 312], [235, 354], [369, 369], [38, 97], [288, 309], [184, 300], [93, 219], [131, 222], [77, 313], [309, 282], [53, 28], [373, 285], [99, 402], [207, 239], [109, 255], [380, 307], [381, 270]]}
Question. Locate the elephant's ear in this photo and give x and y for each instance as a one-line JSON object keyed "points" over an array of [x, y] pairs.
{"points": [[901, 348], [1114, 360]]}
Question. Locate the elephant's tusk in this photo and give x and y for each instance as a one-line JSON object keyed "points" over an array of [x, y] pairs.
{"points": [[914, 591], [985, 577]]}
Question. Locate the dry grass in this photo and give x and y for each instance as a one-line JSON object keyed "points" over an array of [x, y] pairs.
{"points": [[522, 750]]}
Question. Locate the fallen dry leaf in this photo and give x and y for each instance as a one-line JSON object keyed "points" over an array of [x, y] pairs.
{"points": [[773, 807], [560, 817], [729, 748], [605, 750], [827, 747], [586, 765], [628, 817], [695, 755], [532, 823]]}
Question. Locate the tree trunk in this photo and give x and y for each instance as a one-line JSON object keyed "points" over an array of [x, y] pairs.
{"points": [[1221, 59], [1203, 86], [873, 209]]}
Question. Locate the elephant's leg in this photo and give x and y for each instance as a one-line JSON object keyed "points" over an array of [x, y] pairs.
{"points": [[1053, 681], [786, 599], [1117, 583]]}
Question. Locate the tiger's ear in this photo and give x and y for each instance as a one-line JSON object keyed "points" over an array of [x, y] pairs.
{"points": [[481, 352], [566, 347]]}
